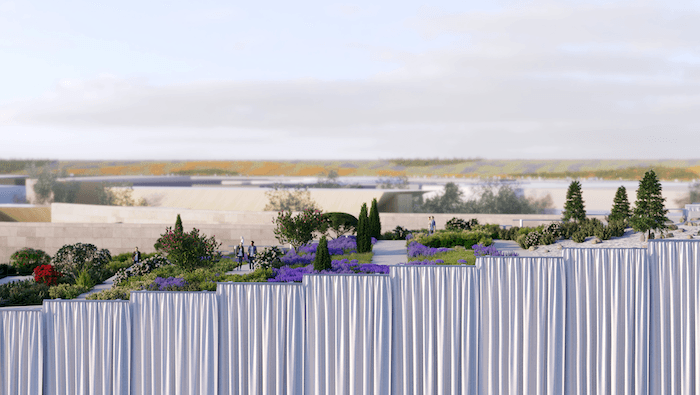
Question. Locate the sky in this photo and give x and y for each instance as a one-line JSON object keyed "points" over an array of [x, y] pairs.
{"points": [[169, 79]]}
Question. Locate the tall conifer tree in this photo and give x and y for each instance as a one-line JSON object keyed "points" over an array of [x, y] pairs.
{"points": [[649, 212], [375, 225], [574, 208], [178, 225], [323, 257], [621, 206], [363, 237]]}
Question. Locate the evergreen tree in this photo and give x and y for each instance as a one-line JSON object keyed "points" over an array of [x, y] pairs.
{"points": [[621, 206], [323, 257], [375, 226], [649, 212], [574, 208], [178, 225], [363, 238]]}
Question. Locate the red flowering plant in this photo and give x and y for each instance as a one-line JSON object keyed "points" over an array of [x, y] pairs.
{"points": [[46, 274], [298, 229], [188, 250]]}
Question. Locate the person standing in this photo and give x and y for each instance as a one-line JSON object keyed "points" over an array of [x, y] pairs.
{"points": [[432, 224], [136, 256], [252, 250], [240, 254]]}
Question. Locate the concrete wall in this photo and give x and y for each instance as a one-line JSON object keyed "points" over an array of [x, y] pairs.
{"points": [[88, 213], [117, 238], [79, 213]]}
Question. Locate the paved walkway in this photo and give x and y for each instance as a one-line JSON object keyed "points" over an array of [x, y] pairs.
{"points": [[11, 279], [389, 252]]}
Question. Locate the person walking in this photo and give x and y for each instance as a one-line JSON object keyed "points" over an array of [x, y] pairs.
{"points": [[432, 225], [136, 256], [252, 250], [240, 254]]}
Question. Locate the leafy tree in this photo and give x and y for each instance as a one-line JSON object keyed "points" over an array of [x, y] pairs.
{"points": [[649, 212], [45, 181], [503, 199], [283, 199], [693, 195], [450, 201], [364, 243], [323, 257], [375, 225], [621, 206], [574, 208], [339, 223], [298, 229], [71, 259], [178, 225], [188, 250]]}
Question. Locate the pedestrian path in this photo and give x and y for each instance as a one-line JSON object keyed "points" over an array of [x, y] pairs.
{"points": [[12, 279], [389, 252]]}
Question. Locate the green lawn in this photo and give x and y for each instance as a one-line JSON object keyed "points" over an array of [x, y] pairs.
{"points": [[450, 257]]}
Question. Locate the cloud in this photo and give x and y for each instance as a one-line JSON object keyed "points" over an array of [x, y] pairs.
{"points": [[538, 80]]}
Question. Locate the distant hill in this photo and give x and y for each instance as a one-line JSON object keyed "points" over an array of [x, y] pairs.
{"points": [[467, 168]]}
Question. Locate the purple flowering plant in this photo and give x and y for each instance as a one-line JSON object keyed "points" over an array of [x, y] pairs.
{"points": [[339, 266], [482, 250], [417, 249], [167, 284]]}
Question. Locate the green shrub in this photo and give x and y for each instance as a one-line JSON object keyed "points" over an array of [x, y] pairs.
{"points": [[603, 233], [84, 280], [458, 224], [7, 270], [23, 293], [26, 259], [364, 242], [399, 233], [111, 294], [72, 259], [617, 228], [269, 257], [67, 291], [579, 237], [451, 239], [258, 276]]}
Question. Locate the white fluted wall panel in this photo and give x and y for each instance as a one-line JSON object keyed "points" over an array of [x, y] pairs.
{"points": [[88, 347], [174, 343], [21, 351], [675, 317], [435, 329], [261, 338], [607, 320], [522, 325], [348, 334]]}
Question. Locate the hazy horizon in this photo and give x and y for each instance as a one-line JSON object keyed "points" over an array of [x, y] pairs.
{"points": [[501, 80]]}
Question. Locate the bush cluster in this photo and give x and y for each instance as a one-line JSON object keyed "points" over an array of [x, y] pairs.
{"points": [[270, 257], [465, 239], [142, 268], [399, 233], [457, 224], [72, 259], [26, 259], [23, 293]]}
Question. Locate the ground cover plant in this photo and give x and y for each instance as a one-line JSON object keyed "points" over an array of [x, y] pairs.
{"points": [[423, 255]]}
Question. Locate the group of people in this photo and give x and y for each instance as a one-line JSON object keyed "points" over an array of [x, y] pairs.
{"points": [[431, 225], [239, 252]]}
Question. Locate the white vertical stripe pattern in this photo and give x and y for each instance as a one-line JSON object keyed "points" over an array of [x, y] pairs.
{"points": [[522, 325], [88, 347], [607, 321], [348, 337], [21, 351], [436, 329], [261, 338], [174, 343], [675, 317]]}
